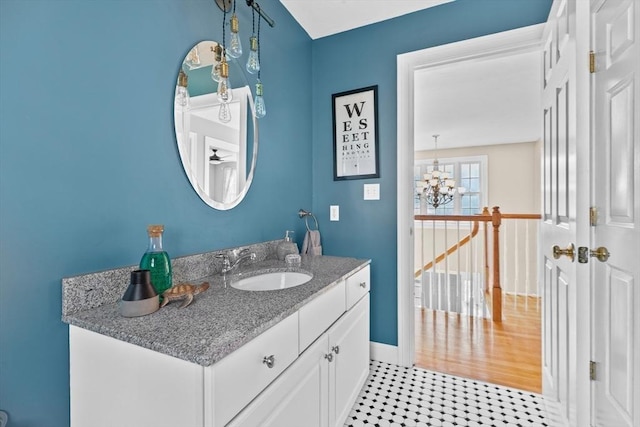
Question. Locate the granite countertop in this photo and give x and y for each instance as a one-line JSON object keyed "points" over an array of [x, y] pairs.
{"points": [[221, 319]]}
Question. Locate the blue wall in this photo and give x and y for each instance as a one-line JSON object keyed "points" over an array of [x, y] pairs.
{"points": [[88, 156], [88, 159], [365, 57]]}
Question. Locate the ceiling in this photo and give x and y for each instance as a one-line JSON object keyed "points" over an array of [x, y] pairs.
{"points": [[321, 18], [478, 102], [468, 103]]}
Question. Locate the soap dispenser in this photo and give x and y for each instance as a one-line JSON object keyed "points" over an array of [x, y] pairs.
{"points": [[286, 246]]}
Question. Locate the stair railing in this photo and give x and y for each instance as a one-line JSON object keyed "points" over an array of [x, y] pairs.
{"points": [[490, 257]]}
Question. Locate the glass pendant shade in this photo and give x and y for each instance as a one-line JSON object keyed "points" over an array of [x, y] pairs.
{"points": [[215, 68], [193, 59], [215, 73], [224, 113], [235, 45], [224, 92], [253, 62], [182, 93], [260, 107]]}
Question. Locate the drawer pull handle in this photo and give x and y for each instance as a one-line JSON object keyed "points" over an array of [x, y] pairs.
{"points": [[269, 361], [335, 349], [329, 357], [363, 284]]}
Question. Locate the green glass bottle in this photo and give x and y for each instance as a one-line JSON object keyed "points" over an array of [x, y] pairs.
{"points": [[157, 261]]}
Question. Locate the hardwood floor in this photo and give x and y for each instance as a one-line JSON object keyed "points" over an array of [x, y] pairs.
{"points": [[507, 353]]}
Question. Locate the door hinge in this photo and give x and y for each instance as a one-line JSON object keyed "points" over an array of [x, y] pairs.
{"points": [[592, 62], [593, 216], [592, 370]]}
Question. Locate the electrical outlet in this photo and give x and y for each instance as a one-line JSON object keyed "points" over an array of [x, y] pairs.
{"points": [[371, 191], [334, 213]]}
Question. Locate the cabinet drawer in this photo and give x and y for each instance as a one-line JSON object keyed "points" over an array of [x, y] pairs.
{"points": [[319, 314], [242, 375], [357, 286], [296, 398]]}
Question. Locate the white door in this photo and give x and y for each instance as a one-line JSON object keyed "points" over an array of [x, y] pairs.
{"points": [[616, 181], [560, 227]]}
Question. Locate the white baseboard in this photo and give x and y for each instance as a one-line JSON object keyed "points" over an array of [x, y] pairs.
{"points": [[383, 352]]}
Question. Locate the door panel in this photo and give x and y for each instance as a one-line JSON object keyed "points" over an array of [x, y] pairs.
{"points": [[549, 352], [562, 167], [615, 281], [620, 199], [564, 383], [547, 170], [559, 200]]}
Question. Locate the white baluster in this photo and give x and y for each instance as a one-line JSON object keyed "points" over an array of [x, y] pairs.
{"points": [[526, 266], [504, 257], [446, 267], [459, 281], [516, 279]]}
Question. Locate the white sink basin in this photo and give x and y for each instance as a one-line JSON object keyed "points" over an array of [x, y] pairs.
{"points": [[272, 281]]}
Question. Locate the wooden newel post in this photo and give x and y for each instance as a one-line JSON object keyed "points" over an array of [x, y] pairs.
{"points": [[496, 292]]}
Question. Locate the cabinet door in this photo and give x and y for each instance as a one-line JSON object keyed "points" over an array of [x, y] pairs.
{"points": [[115, 383], [349, 342], [299, 397]]}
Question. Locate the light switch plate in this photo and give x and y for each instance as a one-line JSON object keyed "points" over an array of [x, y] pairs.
{"points": [[334, 213], [372, 191]]}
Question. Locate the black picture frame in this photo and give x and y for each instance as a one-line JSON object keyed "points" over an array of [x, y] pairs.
{"points": [[355, 134]]}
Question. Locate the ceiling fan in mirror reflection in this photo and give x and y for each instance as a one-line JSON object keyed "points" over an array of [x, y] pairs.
{"points": [[215, 158]]}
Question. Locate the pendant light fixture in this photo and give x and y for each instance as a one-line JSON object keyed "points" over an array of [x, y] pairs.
{"points": [[438, 188], [235, 45], [259, 105], [253, 61], [224, 92], [220, 70], [182, 93], [215, 68], [193, 59]]}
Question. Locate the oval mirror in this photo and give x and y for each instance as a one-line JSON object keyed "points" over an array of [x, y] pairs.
{"points": [[217, 141]]}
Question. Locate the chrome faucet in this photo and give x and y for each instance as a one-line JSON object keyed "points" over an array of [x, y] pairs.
{"points": [[238, 257]]}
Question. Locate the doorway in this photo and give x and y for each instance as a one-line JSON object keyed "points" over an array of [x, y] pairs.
{"points": [[500, 45]]}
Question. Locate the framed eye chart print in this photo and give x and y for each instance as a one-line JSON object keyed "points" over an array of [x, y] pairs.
{"points": [[355, 134]]}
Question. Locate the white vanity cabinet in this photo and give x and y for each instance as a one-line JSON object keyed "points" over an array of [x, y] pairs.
{"points": [[319, 389], [307, 370]]}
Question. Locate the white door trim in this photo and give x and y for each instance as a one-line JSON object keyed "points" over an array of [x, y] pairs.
{"points": [[506, 43]]}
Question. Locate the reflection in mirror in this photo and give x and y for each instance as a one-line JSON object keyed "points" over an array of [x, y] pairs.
{"points": [[217, 141]]}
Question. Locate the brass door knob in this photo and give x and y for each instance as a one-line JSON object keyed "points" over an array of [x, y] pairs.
{"points": [[602, 254], [570, 252]]}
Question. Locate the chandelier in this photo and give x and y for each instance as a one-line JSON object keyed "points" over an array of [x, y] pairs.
{"points": [[438, 188]]}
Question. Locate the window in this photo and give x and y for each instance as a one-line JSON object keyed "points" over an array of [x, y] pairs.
{"points": [[469, 172]]}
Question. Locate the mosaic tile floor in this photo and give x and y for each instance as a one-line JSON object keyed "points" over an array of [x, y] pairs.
{"points": [[394, 396]]}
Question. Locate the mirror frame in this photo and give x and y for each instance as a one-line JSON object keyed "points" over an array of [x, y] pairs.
{"points": [[186, 161]]}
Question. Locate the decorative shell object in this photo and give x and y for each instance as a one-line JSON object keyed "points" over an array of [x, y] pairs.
{"points": [[184, 291]]}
